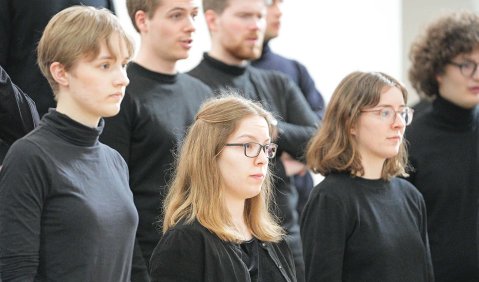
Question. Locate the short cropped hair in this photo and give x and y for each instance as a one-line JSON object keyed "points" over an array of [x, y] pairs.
{"points": [[449, 36], [197, 188], [147, 6], [74, 33], [219, 6], [333, 148]]}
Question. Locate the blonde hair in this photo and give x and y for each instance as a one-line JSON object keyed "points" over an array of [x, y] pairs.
{"points": [[333, 148], [196, 189], [74, 33]]}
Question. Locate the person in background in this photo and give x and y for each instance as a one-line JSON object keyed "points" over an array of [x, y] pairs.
{"points": [[217, 224], [362, 223], [66, 210], [21, 26], [300, 75], [159, 105], [18, 114], [236, 29], [444, 141]]}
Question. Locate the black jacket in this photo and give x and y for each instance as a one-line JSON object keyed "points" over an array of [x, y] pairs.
{"points": [[190, 252]]}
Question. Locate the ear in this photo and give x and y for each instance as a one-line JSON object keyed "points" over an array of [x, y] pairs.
{"points": [[141, 21], [59, 74], [353, 131], [439, 78], [211, 19]]}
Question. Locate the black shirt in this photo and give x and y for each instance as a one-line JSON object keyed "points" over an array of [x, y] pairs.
{"points": [[444, 152], [66, 211], [357, 229]]}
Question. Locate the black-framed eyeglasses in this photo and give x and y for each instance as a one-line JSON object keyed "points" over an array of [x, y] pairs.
{"points": [[252, 149], [388, 114], [468, 68]]}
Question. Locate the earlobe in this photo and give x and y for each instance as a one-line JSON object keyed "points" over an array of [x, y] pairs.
{"points": [[211, 18], [59, 74]]}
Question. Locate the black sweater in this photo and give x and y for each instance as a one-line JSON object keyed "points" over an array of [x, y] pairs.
{"points": [[21, 27], [154, 116], [191, 253], [443, 150], [355, 229], [296, 125], [66, 211]]}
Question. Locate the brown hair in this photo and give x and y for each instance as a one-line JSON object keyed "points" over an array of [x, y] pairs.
{"points": [[447, 37], [196, 189], [147, 6], [333, 148], [77, 32]]}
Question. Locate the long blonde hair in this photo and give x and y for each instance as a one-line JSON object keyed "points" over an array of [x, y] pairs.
{"points": [[196, 190]]}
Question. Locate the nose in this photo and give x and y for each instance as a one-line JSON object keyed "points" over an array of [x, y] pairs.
{"points": [[121, 78], [399, 121], [261, 159], [190, 26]]}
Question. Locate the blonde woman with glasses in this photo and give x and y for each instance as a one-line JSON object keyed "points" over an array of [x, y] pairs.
{"points": [[217, 224], [362, 223]]}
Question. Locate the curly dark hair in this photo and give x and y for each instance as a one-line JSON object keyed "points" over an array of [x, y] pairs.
{"points": [[449, 36]]}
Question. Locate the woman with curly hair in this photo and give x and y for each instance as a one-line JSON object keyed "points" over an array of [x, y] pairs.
{"points": [[444, 141]]}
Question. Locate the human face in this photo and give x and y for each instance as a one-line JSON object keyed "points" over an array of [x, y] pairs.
{"points": [[238, 32], [379, 139], [94, 88], [273, 20], [460, 90], [168, 35], [243, 176]]}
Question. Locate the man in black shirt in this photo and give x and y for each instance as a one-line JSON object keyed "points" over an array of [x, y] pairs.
{"points": [[159, 105], [237, 29]]}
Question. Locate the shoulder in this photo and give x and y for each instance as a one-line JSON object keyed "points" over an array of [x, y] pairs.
{"points": [[193, 83], [405, 187]]}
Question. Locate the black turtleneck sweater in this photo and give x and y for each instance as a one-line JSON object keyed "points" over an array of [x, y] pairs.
{"points": [[443, 150], [66, 211], [154, 116], [357, 229], [296, 125]]}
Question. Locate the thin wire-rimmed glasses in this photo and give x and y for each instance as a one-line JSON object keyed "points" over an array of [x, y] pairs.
{"points": [[468, 68], [252, 149], [388, 114]]}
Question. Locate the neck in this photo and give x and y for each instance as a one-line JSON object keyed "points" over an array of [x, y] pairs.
{"points": [[69, 108], [221, 55], [373, 167], [236, 211], [148, 60]]}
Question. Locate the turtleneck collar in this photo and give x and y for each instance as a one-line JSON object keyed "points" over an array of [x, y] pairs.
{"points": [[453, 116], [229, 69], [157, 76], [71, 131]]}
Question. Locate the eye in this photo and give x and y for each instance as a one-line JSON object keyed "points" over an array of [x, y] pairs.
{"points": [[105, 66], [468, 65], [386, 113]]}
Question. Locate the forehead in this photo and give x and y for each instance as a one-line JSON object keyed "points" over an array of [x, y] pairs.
{"points": [[391, 96], [246, 5], [181, 4], [252, 126]]}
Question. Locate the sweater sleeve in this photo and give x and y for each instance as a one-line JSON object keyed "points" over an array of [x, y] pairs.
{"points": [[299, 123], [310, 92], [24, 183], [424, 237], [18, 114], [324, 229], [178, 257]]}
